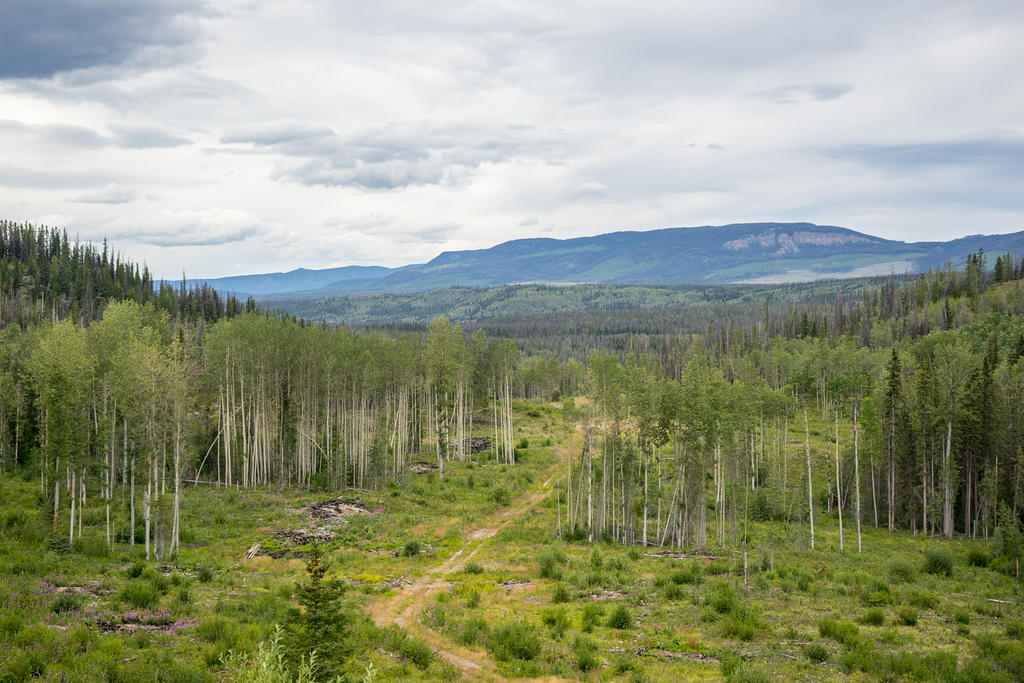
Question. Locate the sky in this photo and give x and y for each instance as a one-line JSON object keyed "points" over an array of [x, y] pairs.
{"points": [[224, 138]]}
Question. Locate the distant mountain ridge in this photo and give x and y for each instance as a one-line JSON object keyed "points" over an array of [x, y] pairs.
{"points": [[737, 253]]}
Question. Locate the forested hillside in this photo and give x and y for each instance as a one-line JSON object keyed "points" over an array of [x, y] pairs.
{"points": [[893, 405]]}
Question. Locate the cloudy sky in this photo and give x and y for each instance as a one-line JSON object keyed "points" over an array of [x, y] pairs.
{"points": [[243, 136]]}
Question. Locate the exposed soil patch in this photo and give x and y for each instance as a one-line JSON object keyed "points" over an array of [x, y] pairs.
{"points": [[422, 468], [478, 445], [91, 589], [668, 555], [338, 509], [154, 623], [693, 656]]}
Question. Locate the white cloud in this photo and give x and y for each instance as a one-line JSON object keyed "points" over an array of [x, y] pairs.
{"points": [[232, 137]]}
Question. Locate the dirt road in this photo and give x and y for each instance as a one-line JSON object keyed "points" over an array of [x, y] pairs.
{"points": [[402, 608]]}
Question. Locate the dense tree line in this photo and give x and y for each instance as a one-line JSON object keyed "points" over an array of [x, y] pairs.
{"points": [[913, 391], [44, 275]]}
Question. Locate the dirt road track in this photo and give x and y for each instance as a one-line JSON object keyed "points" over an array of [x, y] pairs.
{"points": [[402, 608]]}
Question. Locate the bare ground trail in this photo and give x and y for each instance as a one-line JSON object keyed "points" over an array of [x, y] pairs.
{"points": [[402, 608]]}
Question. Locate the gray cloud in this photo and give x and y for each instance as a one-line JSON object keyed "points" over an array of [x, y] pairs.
{"points": [[145, 137], [111, 194], [41, 39], [67, 136], [1005, 155], [209, 227], [377, 159], [792, 94]]}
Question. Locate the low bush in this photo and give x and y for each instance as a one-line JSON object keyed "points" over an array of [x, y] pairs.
{"points": [[65, 603], [876, 594], [473, 568], [907, 616], [816, 652], [140, 594], [977, 558], [515, 640], [472, 631], [584, 650], [873, 617], [412, 548], [722, 598], [621, 618], [901, 571], [592, 613], [561, 594], [841, 631], [923, 600], [938, 561], [686, 575]]}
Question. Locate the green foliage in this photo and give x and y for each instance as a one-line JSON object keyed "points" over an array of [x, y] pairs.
{"points": [[591, 617], [585, 653], [873, 617], [841, 631], [514, 640], [140, 594], [816, 652], [556, 619], [722, 598], [322, 625], [472, 567], [550, 561], [938, 561], [877, 593], [65, 603], [620, 618], [412, 548], [472, 631], [907, 616], [901, 571], [560, 594]]}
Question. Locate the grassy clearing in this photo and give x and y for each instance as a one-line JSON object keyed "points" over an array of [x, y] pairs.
{"points": [[907, 608]]}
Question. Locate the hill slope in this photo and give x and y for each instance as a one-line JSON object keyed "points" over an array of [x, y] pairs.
{"points": [[738, 253]]}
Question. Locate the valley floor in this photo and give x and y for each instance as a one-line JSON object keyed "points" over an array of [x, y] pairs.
{"points": [[472, 569]]}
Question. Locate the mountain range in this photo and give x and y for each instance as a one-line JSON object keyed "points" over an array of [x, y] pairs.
{"points": [[760, 253]]}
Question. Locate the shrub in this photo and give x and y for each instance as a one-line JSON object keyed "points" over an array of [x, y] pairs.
{"points": [[741, 624], [841, 631], [473, 568], [412, 548], [961, 617], [873, 617], [922, 600], [557, 620], [688, 574], [501, 496], [907, 616], [65, 603], [473, 599], [902, 571], [22, 665], [938, 561], [592, 613], [1015, 629], [674, 592], [584, 649], [977, 558], [877, 593], [722, 598], [816, 652], [204, 575], [516, 640], [621, 618], [135, 569], [58, 545], [473, 630], [140, 594], [10, 624], [561, 594], [416, 651], [549, 561]]}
